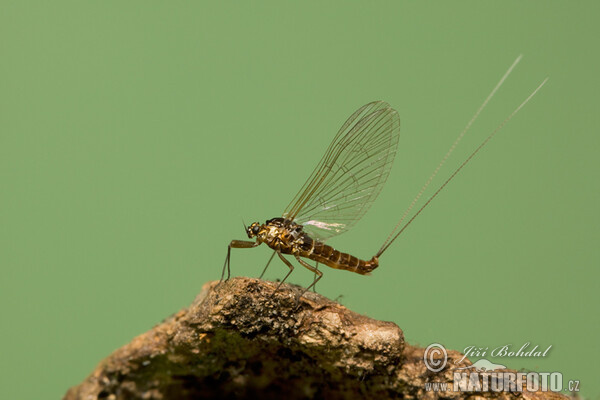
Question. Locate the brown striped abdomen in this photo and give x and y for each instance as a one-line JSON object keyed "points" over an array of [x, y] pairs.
{"points": [[336, 259]]}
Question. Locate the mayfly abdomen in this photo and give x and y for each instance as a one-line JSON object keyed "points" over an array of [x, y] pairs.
{"points": [[333, 258]]}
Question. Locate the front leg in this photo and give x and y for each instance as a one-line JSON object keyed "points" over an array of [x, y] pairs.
{"points": [[236, 244]]}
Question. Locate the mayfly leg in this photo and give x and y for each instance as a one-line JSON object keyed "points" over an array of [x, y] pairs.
{"points": [[315, 269], [290, 266], [236, 244], [318, 274], [314, 283], [267, 266]]}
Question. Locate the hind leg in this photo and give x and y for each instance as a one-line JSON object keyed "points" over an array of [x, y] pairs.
{"points": [[318, 273], [314, 284]]}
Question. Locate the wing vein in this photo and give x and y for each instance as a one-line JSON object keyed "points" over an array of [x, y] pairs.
{"points": [[351, 173]]}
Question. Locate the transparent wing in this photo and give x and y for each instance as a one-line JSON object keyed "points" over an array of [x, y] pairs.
{"points": [[351, 173]]}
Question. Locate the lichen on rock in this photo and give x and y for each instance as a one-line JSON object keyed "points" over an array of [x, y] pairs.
{"points": [[241, 339]]}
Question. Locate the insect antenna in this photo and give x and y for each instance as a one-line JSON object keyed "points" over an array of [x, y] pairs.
{"points": [[393, 235]]}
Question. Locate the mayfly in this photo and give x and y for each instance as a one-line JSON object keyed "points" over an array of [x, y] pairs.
{"points": [[342, 188]]}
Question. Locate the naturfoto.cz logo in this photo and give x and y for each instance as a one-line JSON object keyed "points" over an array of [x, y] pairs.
{"points": [[484, 375]]}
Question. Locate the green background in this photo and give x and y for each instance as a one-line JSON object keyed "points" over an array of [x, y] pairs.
{"points": [[135, 137]]}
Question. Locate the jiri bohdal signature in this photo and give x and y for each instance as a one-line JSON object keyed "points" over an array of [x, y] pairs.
{"points": [[504, 351]]}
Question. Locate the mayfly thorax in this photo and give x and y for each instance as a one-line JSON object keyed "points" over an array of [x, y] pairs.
{"points": [[342, 188]]}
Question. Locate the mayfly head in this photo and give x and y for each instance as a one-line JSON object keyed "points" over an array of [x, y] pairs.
{"points": [[253, 230]]}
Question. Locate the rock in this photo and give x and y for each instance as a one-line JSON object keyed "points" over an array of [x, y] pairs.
{"points": [[239, 340]]}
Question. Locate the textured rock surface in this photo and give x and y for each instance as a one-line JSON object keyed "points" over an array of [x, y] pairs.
{"points": [[237, 340]]}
